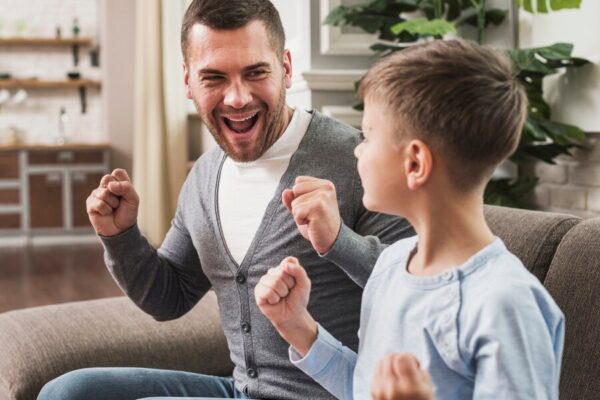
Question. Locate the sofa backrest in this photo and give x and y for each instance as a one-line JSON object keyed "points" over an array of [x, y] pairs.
{"points": [[533, 236], [573, 280]]}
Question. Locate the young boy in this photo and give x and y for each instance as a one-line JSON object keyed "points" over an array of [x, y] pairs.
{"points": [[439, 117]]}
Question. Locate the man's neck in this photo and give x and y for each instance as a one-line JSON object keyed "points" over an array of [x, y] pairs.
{"points": [[450, 232]]}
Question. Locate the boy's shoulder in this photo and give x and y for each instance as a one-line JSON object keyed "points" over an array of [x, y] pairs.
{"points": [[504, 286]]}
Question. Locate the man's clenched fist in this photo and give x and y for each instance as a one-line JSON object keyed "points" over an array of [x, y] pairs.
{"points": [[113, 206], [313, 204]]}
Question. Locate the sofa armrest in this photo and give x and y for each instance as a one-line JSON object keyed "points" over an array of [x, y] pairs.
{"points": [[39, 344]]}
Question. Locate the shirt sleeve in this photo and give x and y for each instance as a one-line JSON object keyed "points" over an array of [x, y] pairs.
{"points": [[165, 283], [518, 345], [329, 363]]}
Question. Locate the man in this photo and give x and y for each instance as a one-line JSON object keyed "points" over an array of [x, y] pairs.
{"points": [[233, 219]]}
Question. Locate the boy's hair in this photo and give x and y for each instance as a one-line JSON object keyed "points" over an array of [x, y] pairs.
{"points": [[233, 14], [460, 98]]}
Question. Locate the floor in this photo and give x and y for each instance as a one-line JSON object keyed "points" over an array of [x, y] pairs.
{"points": [[39, 275]]}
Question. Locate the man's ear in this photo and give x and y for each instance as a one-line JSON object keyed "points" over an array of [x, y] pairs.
{"points": [[418, 164], [186, 81], [287, 68]]}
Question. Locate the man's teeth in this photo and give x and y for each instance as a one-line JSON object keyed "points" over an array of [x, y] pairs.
{"points": [[243, 119]]}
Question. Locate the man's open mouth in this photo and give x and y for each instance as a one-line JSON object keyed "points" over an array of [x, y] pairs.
{"points": [[241, 124]]}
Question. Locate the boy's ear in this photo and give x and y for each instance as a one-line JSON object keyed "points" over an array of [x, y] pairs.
{"points": [[418, 164]]}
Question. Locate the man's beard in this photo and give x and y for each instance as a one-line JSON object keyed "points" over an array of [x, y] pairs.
{"points": [[274, 125]]}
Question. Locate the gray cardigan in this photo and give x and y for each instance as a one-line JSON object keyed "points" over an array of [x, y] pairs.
{"points": [[194, 258]]}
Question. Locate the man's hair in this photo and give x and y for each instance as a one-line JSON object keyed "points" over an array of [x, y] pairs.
{"points": [[460, 98], [233, 14]]}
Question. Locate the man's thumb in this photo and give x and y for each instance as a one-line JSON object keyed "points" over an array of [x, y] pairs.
{"points": [[287, 197]]}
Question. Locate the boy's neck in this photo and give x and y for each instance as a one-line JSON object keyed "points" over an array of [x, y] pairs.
{"points": [[450, 232]]}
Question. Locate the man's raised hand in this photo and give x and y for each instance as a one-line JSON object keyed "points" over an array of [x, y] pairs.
{"points": [[313, 204], [113, 206]]}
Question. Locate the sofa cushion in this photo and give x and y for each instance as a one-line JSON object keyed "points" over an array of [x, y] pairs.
{"points": [[39, 344], [533, 236], [574, 281]]}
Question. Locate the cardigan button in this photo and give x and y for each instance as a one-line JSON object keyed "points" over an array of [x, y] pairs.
{"points": [[252, 373], [246, 327], [240, 278]]}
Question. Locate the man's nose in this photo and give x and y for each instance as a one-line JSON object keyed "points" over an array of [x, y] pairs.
{"points": [[237, 95]]}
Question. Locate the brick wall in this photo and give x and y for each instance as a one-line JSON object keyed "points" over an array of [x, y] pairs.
{"points": [[573, 184], [38, 116]]}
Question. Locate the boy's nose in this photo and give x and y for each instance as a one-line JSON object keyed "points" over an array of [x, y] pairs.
{"points": [[237, 96]]}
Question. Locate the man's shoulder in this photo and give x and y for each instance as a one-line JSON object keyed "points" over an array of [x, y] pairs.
{"points": [[326, 134], [322, 121]]}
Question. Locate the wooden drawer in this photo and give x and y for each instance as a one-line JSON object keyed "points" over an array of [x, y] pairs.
{"points": [[10, 221], [46, 197], [9, 196], [66, 157], [9, 165]]}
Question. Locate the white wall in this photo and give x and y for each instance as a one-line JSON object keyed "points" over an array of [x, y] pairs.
{"points": [[574, 96], [38, 116]]}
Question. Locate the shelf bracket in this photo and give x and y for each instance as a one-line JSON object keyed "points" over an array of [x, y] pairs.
{"points": [[82, 99], [75, 49]]}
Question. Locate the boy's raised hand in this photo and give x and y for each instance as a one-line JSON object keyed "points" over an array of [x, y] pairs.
{"points": [[113, 206], [282, 296], [398, 376]]}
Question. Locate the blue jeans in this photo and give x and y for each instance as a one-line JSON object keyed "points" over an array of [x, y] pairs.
{"points": [[136, 383]]}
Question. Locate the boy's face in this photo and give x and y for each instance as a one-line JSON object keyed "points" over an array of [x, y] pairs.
{"points": [[237, 82], [380, 159]]}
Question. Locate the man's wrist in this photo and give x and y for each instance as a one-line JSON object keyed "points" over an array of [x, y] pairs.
{"points": [[300, 333]]}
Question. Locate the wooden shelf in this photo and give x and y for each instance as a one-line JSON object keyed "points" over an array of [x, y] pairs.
{"points": [[49, 42], [48, 84]]}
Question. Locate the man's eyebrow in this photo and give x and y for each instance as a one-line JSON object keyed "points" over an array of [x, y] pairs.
{"points": [[210, 71], [257, 65]]}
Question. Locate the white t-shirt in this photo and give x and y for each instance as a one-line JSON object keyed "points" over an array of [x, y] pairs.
{"points": [[246, 188]]}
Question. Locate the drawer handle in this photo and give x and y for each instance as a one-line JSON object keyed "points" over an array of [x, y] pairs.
{"points": [[79, 177], [66, 156], [53, 178]]}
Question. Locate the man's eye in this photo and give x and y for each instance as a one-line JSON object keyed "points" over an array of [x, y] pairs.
{"points": [[257, 74], [362, 136], [211, 78]]}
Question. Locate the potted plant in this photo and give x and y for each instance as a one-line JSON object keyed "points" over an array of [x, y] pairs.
{"points": [[542, 138]]}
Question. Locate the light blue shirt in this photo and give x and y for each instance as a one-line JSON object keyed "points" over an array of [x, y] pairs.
{"points": [[487, 329]]}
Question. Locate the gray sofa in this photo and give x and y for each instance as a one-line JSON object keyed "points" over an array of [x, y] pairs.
{"points": [[41, 343]]}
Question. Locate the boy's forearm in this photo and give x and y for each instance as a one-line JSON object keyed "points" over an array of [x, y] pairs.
{"points": [[300, 333]]}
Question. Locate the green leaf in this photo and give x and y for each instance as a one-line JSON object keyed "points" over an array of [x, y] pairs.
{"points": [[494, 16], [424, 27], [545, 152], [542, 5], [510, 192], [561, 4]]}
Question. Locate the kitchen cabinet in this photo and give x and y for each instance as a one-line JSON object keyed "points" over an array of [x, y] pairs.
{"points": [[43, 188]]}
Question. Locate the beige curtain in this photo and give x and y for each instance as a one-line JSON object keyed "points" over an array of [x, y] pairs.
{"points": [[160, 145]]}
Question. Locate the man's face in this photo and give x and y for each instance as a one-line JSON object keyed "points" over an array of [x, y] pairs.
{"points": [[237, 82]]}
